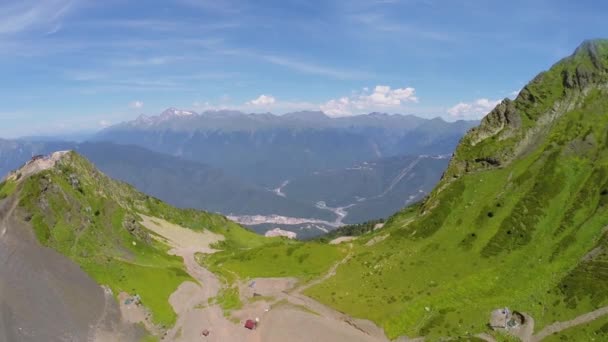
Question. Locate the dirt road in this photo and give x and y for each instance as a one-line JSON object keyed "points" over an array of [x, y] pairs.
{"points": [[366, 327], [278, 323], [304, 311], [559, 326], [191, 300]]}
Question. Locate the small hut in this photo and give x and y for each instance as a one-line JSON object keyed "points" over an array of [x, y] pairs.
{"points": [[250, 324], [499, 318]]}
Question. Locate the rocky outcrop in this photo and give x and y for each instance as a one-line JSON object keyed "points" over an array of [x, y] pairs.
{"points": [[516, 127], [134, 228], [280, 232], [503, 119]]}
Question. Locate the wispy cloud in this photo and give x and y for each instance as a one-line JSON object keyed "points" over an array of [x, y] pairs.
{"points": [[295, 64], [221, 7], [380, 22], [149, 61], [85, 75], [20, 16], [261, 103], [136, 105], [110, 85], [311, 68], [176, 25]]}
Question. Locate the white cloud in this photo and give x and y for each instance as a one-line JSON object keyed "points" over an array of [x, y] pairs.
{"points": [[104, 123], [384, 96], [337, 107], [472, 110], [381, 98], [263, 100], [136, 104]]}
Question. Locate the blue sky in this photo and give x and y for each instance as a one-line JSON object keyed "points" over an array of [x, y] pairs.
{"points": [[69, 65]]}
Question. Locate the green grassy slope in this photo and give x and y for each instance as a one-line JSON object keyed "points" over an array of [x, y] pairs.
{"points": [[512, 223], [7, 188], [280, 258], [94, 220]]}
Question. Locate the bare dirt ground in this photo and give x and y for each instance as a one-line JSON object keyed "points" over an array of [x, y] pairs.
{"points": [[415, 339], [180, 238], [266, 287], [376, 239], [486, 337], [293, 322], [35, 166], [191, 300], [133, 313], [287, 324], [524, 332], [341, 239], [328, 324]]}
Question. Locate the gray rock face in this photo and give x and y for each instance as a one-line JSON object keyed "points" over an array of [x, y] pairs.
{"points": [[503, 120]]}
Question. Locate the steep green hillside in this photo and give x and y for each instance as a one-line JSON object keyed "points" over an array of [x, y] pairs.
{"points": [[94, 220], [518, 219], [281, 258]]}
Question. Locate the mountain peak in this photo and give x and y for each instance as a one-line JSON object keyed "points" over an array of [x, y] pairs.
{"points": [[591, 54], [174, 112], [307, 115], [592, 47], [38, 164], [513, 126]]}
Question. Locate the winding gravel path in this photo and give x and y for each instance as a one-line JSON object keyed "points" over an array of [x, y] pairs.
{"points": [[560, 326]]}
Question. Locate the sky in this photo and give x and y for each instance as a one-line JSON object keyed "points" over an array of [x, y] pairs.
{"points": [[81, 65]]}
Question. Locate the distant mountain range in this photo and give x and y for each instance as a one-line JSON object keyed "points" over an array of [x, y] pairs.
{"points": [[183, 183], [267, 149], [304, 172]]}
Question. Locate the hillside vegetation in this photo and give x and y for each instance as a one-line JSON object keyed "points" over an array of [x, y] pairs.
{"points": [[281, 258], [95, 221], [518, 220], [285, 147]]}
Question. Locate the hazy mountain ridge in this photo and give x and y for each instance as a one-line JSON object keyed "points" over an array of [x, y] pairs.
{"points": [[231, 162], [227, 120], [183, 183], [189, 184], [268, 149]]}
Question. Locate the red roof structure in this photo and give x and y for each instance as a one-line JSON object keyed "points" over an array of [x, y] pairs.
{"points": [[250, 324]]}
